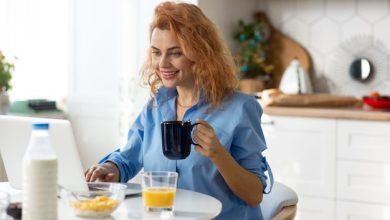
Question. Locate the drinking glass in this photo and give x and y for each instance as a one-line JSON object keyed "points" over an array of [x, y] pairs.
{"points": [[159, 190]]}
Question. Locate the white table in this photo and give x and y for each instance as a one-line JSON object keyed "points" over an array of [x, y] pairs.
{"points": [[188, 205]]}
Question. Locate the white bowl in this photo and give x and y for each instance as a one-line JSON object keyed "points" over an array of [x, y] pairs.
{"points": [[100, 201]]}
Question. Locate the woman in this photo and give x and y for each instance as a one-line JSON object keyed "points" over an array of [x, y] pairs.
{"points": [[192, 77]]}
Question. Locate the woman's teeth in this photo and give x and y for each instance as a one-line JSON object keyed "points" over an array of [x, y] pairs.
{"points": [[168, 74]]}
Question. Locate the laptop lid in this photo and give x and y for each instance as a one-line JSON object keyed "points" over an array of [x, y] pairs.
{"points": [[15, 134]]}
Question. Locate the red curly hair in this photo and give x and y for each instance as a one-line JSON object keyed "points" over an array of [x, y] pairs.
{"points": [[214, 69]]}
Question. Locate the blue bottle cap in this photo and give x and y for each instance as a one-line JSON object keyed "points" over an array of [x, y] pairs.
{"points": [[40, 126]]}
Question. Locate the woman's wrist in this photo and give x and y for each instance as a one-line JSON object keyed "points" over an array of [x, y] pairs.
{"points": [[220, 154], [112, 167]]}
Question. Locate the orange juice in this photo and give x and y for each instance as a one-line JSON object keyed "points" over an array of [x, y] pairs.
{"points": [[158, 197]]}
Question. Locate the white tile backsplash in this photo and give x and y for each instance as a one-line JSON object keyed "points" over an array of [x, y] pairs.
{"points": [[382, 31], [373, 11], [305, 13], [355, 26], [324, 35], [281, 11], [322, 26], [340, 11], [301, 36]]}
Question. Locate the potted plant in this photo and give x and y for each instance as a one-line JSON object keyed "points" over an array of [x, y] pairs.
{"points": [[6, 70], [255, 68]]}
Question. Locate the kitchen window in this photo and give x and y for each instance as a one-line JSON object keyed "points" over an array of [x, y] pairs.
{"points": [[37, 32]]}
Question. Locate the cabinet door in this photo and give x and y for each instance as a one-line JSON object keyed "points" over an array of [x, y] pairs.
{"points": [[315, 209], [363, 140], [301, 153], [360, 211], [363, 181]]}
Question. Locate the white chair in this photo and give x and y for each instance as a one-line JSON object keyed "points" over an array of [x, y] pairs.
{"points": [[280, 204]]}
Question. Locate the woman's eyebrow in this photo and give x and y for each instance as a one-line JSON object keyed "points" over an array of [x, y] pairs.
{"points": [[169, 49]]}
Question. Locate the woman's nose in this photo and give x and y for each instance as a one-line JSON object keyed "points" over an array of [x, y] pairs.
{"points": [[164, 61]]}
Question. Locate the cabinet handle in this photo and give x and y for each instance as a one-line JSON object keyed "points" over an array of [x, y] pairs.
{"points": [[267, 122]]}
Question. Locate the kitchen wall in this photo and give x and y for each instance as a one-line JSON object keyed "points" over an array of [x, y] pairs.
{"points": [[323, 26], [226, 13]]}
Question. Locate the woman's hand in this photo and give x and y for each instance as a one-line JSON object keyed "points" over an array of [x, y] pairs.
{"points": [[208, 143], [107, 172]]}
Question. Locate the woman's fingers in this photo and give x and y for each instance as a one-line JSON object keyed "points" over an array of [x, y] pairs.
{"points": [[96, 172], [204, 131], [207, 140], [89, 173]]}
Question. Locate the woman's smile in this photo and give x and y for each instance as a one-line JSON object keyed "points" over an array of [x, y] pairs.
{"points": [[168, 75]]}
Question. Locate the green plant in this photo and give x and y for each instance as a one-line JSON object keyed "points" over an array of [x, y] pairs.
{"points": [[6, 70], [252, 56]]}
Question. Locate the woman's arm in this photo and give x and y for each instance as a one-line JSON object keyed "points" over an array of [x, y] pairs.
{"points": [[243, 183]]}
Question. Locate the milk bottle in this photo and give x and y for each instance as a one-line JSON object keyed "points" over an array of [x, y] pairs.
{"points": [[39, 176]]}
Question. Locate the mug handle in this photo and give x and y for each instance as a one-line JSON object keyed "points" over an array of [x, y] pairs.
{"points": [[192, 127]]}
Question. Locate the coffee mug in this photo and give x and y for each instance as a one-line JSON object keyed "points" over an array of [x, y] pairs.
{"points": [[177, 139]]}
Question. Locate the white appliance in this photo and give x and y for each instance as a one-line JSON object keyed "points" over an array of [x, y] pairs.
{"points": [[295, 80]]}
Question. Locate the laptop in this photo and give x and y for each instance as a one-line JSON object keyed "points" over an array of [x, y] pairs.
{"points": [[15, 134]]}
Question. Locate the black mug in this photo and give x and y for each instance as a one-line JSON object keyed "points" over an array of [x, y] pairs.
{"points": [[177, 139]]}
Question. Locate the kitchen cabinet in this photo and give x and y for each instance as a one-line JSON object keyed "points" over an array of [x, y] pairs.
{"points": [[339, 168]]}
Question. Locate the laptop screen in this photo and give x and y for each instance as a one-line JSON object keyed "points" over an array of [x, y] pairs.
{"points": [[15, 134]]}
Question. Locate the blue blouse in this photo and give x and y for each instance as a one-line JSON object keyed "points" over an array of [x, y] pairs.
{"points": [[237, 125]]}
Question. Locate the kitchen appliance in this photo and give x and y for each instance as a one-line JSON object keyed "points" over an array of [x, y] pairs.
{"points": [[295, 80]]}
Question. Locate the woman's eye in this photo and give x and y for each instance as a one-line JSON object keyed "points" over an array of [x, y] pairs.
{"points": [[156, 53], [176, 54]]}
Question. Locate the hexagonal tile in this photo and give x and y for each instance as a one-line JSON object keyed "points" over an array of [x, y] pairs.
{"points": [[297, 30], [279, 11], [340, 11], [382, 31], [318, 61], [324, 35], [355, 26], [310, 10], [372, 10]]}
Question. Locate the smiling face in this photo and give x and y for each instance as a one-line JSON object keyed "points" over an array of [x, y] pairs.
{"points": [[168, 59]]}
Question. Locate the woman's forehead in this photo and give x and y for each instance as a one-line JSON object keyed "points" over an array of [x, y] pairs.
{"points": [[164, 38]]}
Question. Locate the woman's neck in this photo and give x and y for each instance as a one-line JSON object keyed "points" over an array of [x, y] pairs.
{"points": [[186, 98]]}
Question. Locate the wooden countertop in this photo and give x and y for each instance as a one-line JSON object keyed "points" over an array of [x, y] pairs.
{"points": [[356, 113]]}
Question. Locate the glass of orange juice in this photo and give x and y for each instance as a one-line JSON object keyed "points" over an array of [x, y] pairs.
{"points": [[159, 190]]}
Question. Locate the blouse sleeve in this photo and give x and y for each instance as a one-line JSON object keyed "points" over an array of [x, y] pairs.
{"points": [[248, 142]]}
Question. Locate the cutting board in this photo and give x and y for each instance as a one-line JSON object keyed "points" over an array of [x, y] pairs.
{"points": [[274, 97], [282, 50]]}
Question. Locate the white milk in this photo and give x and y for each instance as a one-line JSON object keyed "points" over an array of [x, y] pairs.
{"points": [[39, 179], [40, 189]]}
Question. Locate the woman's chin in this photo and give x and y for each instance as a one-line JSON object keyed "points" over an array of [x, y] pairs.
{"points": [[169, 84]]}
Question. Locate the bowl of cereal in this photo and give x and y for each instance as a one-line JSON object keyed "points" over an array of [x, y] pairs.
{"points": [[99, 201]]}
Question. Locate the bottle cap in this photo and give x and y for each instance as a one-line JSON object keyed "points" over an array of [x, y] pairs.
{"points": [[40, 126]]}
